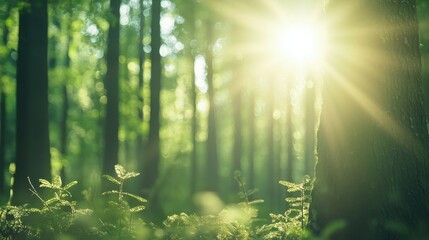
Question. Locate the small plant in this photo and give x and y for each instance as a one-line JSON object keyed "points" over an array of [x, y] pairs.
{"points": [[57, 215], [244, 194], [291, 224], [60, 193], [120, 208]]}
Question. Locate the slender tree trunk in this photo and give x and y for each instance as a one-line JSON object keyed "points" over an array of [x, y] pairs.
{"points": [[140, 93], [65, 97], [270, 140], [32, 133], [236, 92], [151, 169], [194, 164], [290, 166], [372, 170], [3, 110], [111, 125], [212, 171], [3, 127], [252, 137]]}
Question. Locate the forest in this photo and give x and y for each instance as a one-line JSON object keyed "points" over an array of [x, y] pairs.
{"points": [[214, 119]]}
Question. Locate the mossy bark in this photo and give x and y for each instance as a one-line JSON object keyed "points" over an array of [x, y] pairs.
{"points": [[372, 170]]}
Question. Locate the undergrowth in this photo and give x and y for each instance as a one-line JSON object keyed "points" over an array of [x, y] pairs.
{"points": [[61, 217]]}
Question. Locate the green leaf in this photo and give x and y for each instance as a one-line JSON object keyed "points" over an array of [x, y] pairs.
{"points": [[120, 171], [256, 201], [50, 201], [112, 179], [138, 198], [110, 192], [287, 184], [70, 185], [131, 175], [57, 182], [137, 209], [84, 211], [45, 183]]}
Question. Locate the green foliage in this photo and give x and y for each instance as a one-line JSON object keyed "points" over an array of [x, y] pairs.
{"points": [[61, 217], [58, 215], [118, 214], [291, 224]]}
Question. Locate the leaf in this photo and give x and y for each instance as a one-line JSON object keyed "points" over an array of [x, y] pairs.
{"points": [[69, 185], [57, 182], [138, 198], [85, 211], [120, 171], [50, 201], [45, 183], [110, 192], [112, 179], [137, 209], [131, 175], [256, 201], [287, 184]]}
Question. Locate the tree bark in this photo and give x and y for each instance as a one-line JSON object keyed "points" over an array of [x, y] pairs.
{"points": [[140, 93], [151, 169], [372, 170], [111, 124], [32, 133], [3, 109], [212, 171]]}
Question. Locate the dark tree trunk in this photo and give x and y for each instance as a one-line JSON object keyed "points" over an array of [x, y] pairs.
{"points": [[111, 125], [3, 111], [32, 133], [65, 97], [151, 169], [372, 170], [212, 171], [140, 94]]}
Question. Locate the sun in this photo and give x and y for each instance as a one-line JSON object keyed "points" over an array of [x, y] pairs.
{"points": [[299, 43]]}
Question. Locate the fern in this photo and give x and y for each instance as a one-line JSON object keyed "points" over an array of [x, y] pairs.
{"points": [[291, 224], [120, 209]]}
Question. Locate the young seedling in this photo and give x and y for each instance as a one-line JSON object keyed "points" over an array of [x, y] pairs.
{"points": [[121, 208]]}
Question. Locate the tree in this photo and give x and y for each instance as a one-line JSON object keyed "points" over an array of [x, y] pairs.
{"points": [[141, 56], [32, 133], [111, 127], [212, 168], [372, 170], [153, 151], [3, 105]]}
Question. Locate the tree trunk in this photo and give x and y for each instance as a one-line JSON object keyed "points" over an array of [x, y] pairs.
{"points": [[151, 169], [194, 124], [111, 124], [236, 92], [140, 93], [252, 137], [372, 170], [271, 181], [3, 110], [65, 97], [212, 171], [290, 166], [32, 133]]}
